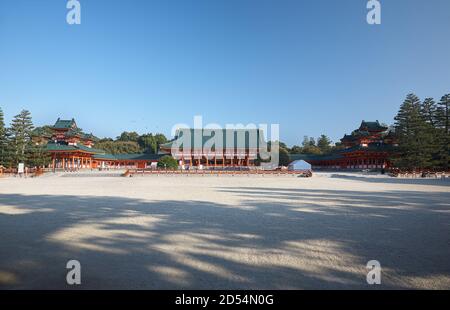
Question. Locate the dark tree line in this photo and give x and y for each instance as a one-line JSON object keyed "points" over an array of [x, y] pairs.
{"points": [[132, 142], [422, 129]]}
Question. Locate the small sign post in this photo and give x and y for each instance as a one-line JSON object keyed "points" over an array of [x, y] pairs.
{"points": [[21, 169]]}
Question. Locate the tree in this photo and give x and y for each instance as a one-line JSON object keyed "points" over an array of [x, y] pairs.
{"points": [[3, 141], [160, 139], [148, 144], [283, 157], [6, 158], [128, 136], [443, 113], [443, 129], [119, 147], [428, 111], [309, 146], [167, 162], [324, 143], [308, 141], [21, 129], [296, 149], [8, 151], [415, 141], [37, 156]]}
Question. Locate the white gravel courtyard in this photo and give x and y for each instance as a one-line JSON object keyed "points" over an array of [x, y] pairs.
{"points": [[209, 232]]}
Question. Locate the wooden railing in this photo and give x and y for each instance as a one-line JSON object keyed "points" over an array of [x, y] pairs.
{"points": [[30, 172]]}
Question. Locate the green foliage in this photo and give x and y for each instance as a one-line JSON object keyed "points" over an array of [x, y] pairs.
{"points": [[168, 162], [128, 136], [147, 142], [37, 156], [131, 142], [324, 144], [283, 157], [416, 143], [308, 141], [443, 131], [21, 129], [296, 150], [44, 131], [4, 154], [428, 111], [119, 147], [423, 133], [16, 142], [150, 143]]}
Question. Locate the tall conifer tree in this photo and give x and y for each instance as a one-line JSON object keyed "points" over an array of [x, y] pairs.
{"points": [[415, 140], [443, 125], [21, 128], [3, 140]]}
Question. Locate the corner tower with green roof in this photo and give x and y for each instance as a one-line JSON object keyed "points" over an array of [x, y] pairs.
{"points": [[368, 147], [71, 149]]}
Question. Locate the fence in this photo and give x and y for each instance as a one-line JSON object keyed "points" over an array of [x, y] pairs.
{"points": [[131, 172]]}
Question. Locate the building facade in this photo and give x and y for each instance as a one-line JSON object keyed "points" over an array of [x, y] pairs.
{"points": [[71, 149], [215, 148], [368, 147]]}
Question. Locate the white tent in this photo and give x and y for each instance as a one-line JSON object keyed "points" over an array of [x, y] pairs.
{"points": [[299, 165]]}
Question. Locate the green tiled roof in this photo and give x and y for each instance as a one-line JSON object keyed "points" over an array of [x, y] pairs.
{"points": [[374, 147], [128, 156], [310, 157], [90, 149], [376, 126], [64, 147], [64, 124], [105, 156], [59, 147], [142, 156], [207, 134]]}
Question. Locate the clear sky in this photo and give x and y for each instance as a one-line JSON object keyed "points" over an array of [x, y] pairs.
{"points": [[313, 66]]}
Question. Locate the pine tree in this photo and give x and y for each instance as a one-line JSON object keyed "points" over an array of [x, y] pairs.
{"points": [[8, 152], [3, 140], [442, 124], [443, 113], [428, 110], [415, 141], [324, 143], [21, 129], [36, 156]]}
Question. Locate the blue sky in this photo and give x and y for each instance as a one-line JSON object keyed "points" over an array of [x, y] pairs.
{"points": [[313, 66]]}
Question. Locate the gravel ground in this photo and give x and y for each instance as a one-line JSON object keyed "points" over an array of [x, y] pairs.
{"points": [[194, 232]]}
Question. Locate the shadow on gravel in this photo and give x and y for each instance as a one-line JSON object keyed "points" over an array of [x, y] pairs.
{"points": [[130, 243]]}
